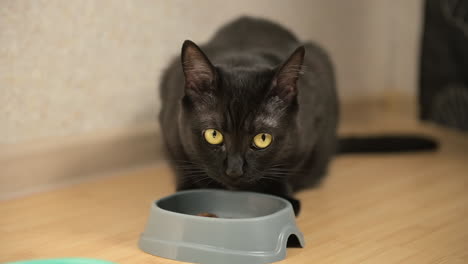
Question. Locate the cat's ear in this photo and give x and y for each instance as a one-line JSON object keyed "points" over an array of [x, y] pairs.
{"points": [[285, 81], [198, 70]]}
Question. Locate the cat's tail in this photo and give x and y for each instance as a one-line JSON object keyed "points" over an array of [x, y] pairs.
{"points": [[392, 143]]}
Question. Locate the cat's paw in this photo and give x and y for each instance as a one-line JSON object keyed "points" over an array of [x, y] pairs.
{"points": [[296, 204]]}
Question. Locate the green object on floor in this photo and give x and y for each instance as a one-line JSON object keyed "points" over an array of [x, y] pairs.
{"points": [[63, 261]]}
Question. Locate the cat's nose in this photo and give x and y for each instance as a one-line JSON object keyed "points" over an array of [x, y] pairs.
{"points": [[234, 172], [234, 166]]}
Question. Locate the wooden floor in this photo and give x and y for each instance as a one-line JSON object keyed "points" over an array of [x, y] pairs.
{"points": [[410, 208]]}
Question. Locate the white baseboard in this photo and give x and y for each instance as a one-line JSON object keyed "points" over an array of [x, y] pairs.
{"points": [[36, 166]]}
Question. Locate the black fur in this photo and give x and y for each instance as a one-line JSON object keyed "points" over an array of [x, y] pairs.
{"points": [[252, 77]]}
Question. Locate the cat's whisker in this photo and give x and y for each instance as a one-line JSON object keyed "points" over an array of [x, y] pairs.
{"points": [[198, 177], [195, 176], [201, 179], [267, 171], [188, 168], [284, 170], [280, 172], [186, 163], [277, 175], [272, 171], [278, 165], [270, 179], [194, 173], [183, 161]]}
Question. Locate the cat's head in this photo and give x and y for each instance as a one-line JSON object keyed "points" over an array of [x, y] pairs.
{"points": [[239, 123]]}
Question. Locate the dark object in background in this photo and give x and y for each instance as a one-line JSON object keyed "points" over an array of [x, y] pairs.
{"points": [[443, 90]]}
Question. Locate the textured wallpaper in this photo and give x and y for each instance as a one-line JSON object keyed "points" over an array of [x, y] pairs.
{"points": [[74, 67]]}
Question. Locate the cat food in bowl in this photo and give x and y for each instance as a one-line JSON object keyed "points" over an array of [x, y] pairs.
{"points": [[217, 226], [207, 215]]}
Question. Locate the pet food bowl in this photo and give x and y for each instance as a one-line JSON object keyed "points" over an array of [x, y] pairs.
{"points": [[251, 228]]}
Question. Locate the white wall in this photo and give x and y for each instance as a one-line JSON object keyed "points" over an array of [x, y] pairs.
{"points": [[74, 67]]}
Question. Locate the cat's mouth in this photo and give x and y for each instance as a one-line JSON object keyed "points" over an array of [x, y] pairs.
{"points": [[235, 183]]}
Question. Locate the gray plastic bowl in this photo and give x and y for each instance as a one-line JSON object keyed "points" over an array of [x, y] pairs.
{"points": [[252, 228]]}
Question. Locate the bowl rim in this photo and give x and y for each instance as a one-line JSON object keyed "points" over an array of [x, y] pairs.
{"points": [[287, 207]]}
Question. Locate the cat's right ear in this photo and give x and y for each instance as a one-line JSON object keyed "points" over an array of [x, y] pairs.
{"points": [[285, 80], [198, 71]]}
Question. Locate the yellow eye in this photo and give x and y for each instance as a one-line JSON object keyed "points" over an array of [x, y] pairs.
{"points": [[262, 140], [213, 136]]}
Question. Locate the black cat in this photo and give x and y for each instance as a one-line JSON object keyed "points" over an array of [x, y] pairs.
{"points": [[255, 110]]}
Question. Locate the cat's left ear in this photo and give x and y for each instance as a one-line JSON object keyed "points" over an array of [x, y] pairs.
{"points": [[198, 70], [285, 81]]}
